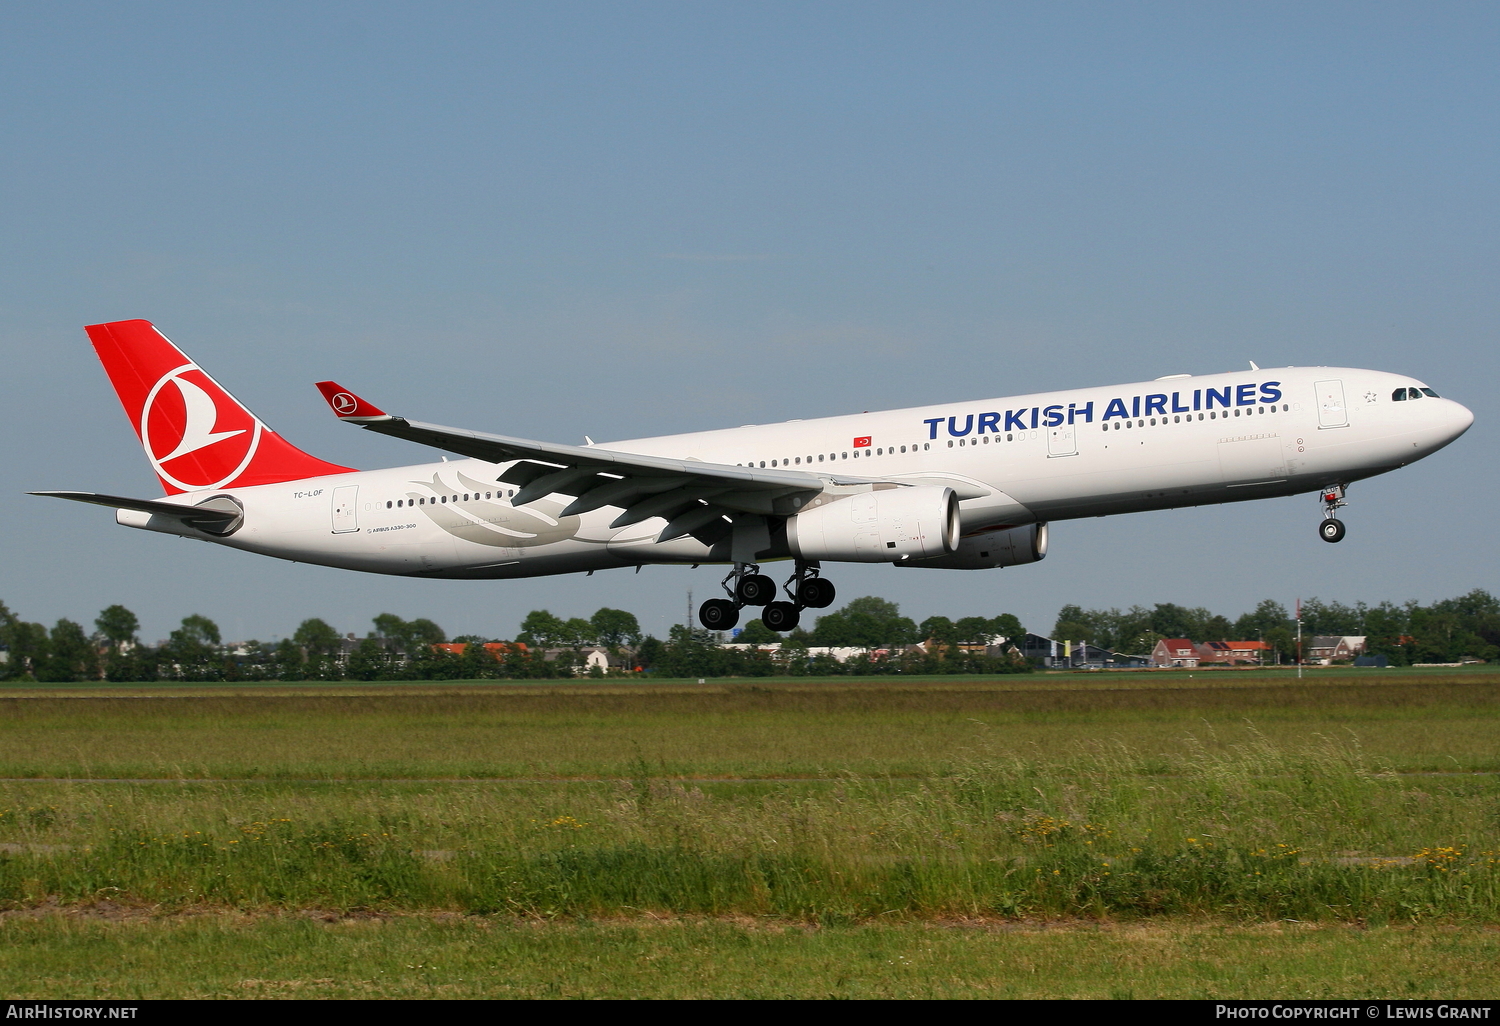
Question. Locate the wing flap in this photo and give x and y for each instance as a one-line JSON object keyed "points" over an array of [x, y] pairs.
{"points": [[620, 492], [667, 505], [526, 471], [685, 523]]}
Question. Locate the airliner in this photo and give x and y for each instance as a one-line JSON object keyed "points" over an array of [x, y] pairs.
{"points": [[967, 485]]}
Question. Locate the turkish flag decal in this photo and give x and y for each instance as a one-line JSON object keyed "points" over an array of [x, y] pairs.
{"points": [[862, 443]]}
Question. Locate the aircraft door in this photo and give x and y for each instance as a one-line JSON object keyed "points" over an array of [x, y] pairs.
{"points": [[1332, 413], [345, 513], [1062, 441]]}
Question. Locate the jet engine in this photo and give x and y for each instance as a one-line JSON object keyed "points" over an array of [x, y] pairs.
{"points": [[987, 549], [890, 525]]}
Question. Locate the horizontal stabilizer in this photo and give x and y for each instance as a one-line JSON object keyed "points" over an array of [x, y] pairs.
{"points": [[220, 515]]}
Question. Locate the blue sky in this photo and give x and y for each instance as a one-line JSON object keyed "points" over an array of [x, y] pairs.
{"points": [[626, 219]]}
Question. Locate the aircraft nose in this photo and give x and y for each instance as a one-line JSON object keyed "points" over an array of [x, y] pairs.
{"points": [[1460, 417]]}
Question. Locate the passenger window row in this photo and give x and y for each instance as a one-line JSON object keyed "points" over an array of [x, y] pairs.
{"points": [[436, 499], [834, 457], [1013, 436], [1212, 415]]}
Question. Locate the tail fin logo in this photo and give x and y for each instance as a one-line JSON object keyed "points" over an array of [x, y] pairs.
{"points": [[344, 404], [195, 434]]}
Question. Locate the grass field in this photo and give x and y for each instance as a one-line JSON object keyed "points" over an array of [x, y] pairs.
{"points": [[1404, 722], [236, 956], [1169, 824]]}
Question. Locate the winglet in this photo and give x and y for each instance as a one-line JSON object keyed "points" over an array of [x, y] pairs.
{"points": [[348, 406]]}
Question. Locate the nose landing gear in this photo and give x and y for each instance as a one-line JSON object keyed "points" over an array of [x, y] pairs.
{"points": [[1332, 528]]}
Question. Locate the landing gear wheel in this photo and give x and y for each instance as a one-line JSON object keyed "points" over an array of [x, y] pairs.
{"points": [[816, 593], [780, 616], [756, 589], [1331, 530], [718, 614]]}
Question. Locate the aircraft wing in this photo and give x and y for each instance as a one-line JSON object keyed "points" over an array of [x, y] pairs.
{"points": [[691, 495]]}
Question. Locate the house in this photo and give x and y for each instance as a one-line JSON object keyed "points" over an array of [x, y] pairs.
{"points": [[1176, 652], [591, 658], [1184, 653], [1327, 649], [597, 657], [1249, 651], [1232, 652]]}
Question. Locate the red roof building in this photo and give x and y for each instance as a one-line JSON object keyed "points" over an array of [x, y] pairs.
{"points": [[1234, 652], [1175, 652], [1182, 652]]}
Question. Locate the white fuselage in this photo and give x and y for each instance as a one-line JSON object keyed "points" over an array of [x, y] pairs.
{"points": [[1181, 441]]}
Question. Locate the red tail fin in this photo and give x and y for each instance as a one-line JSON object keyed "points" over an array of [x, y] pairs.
{"points": [[195, 433]]}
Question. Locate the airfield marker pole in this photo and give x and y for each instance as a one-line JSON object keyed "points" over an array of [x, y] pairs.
{"points": [[1299, 639]]}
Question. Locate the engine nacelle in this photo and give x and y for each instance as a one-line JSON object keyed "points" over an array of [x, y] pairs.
{"points": [[988, 549], [891, 525]]}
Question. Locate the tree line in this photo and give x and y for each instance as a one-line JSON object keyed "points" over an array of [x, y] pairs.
{"points": [[397, 649], [547, 646], [195, 651], [1443, 632]]}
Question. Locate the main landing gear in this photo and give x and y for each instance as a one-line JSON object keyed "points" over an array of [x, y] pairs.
{"points": [[1332, 528], [747, 586]]}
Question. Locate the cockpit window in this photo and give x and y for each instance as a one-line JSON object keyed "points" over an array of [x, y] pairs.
{"points": [[1413, 393], [1428, 391], [1399, 395]]}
